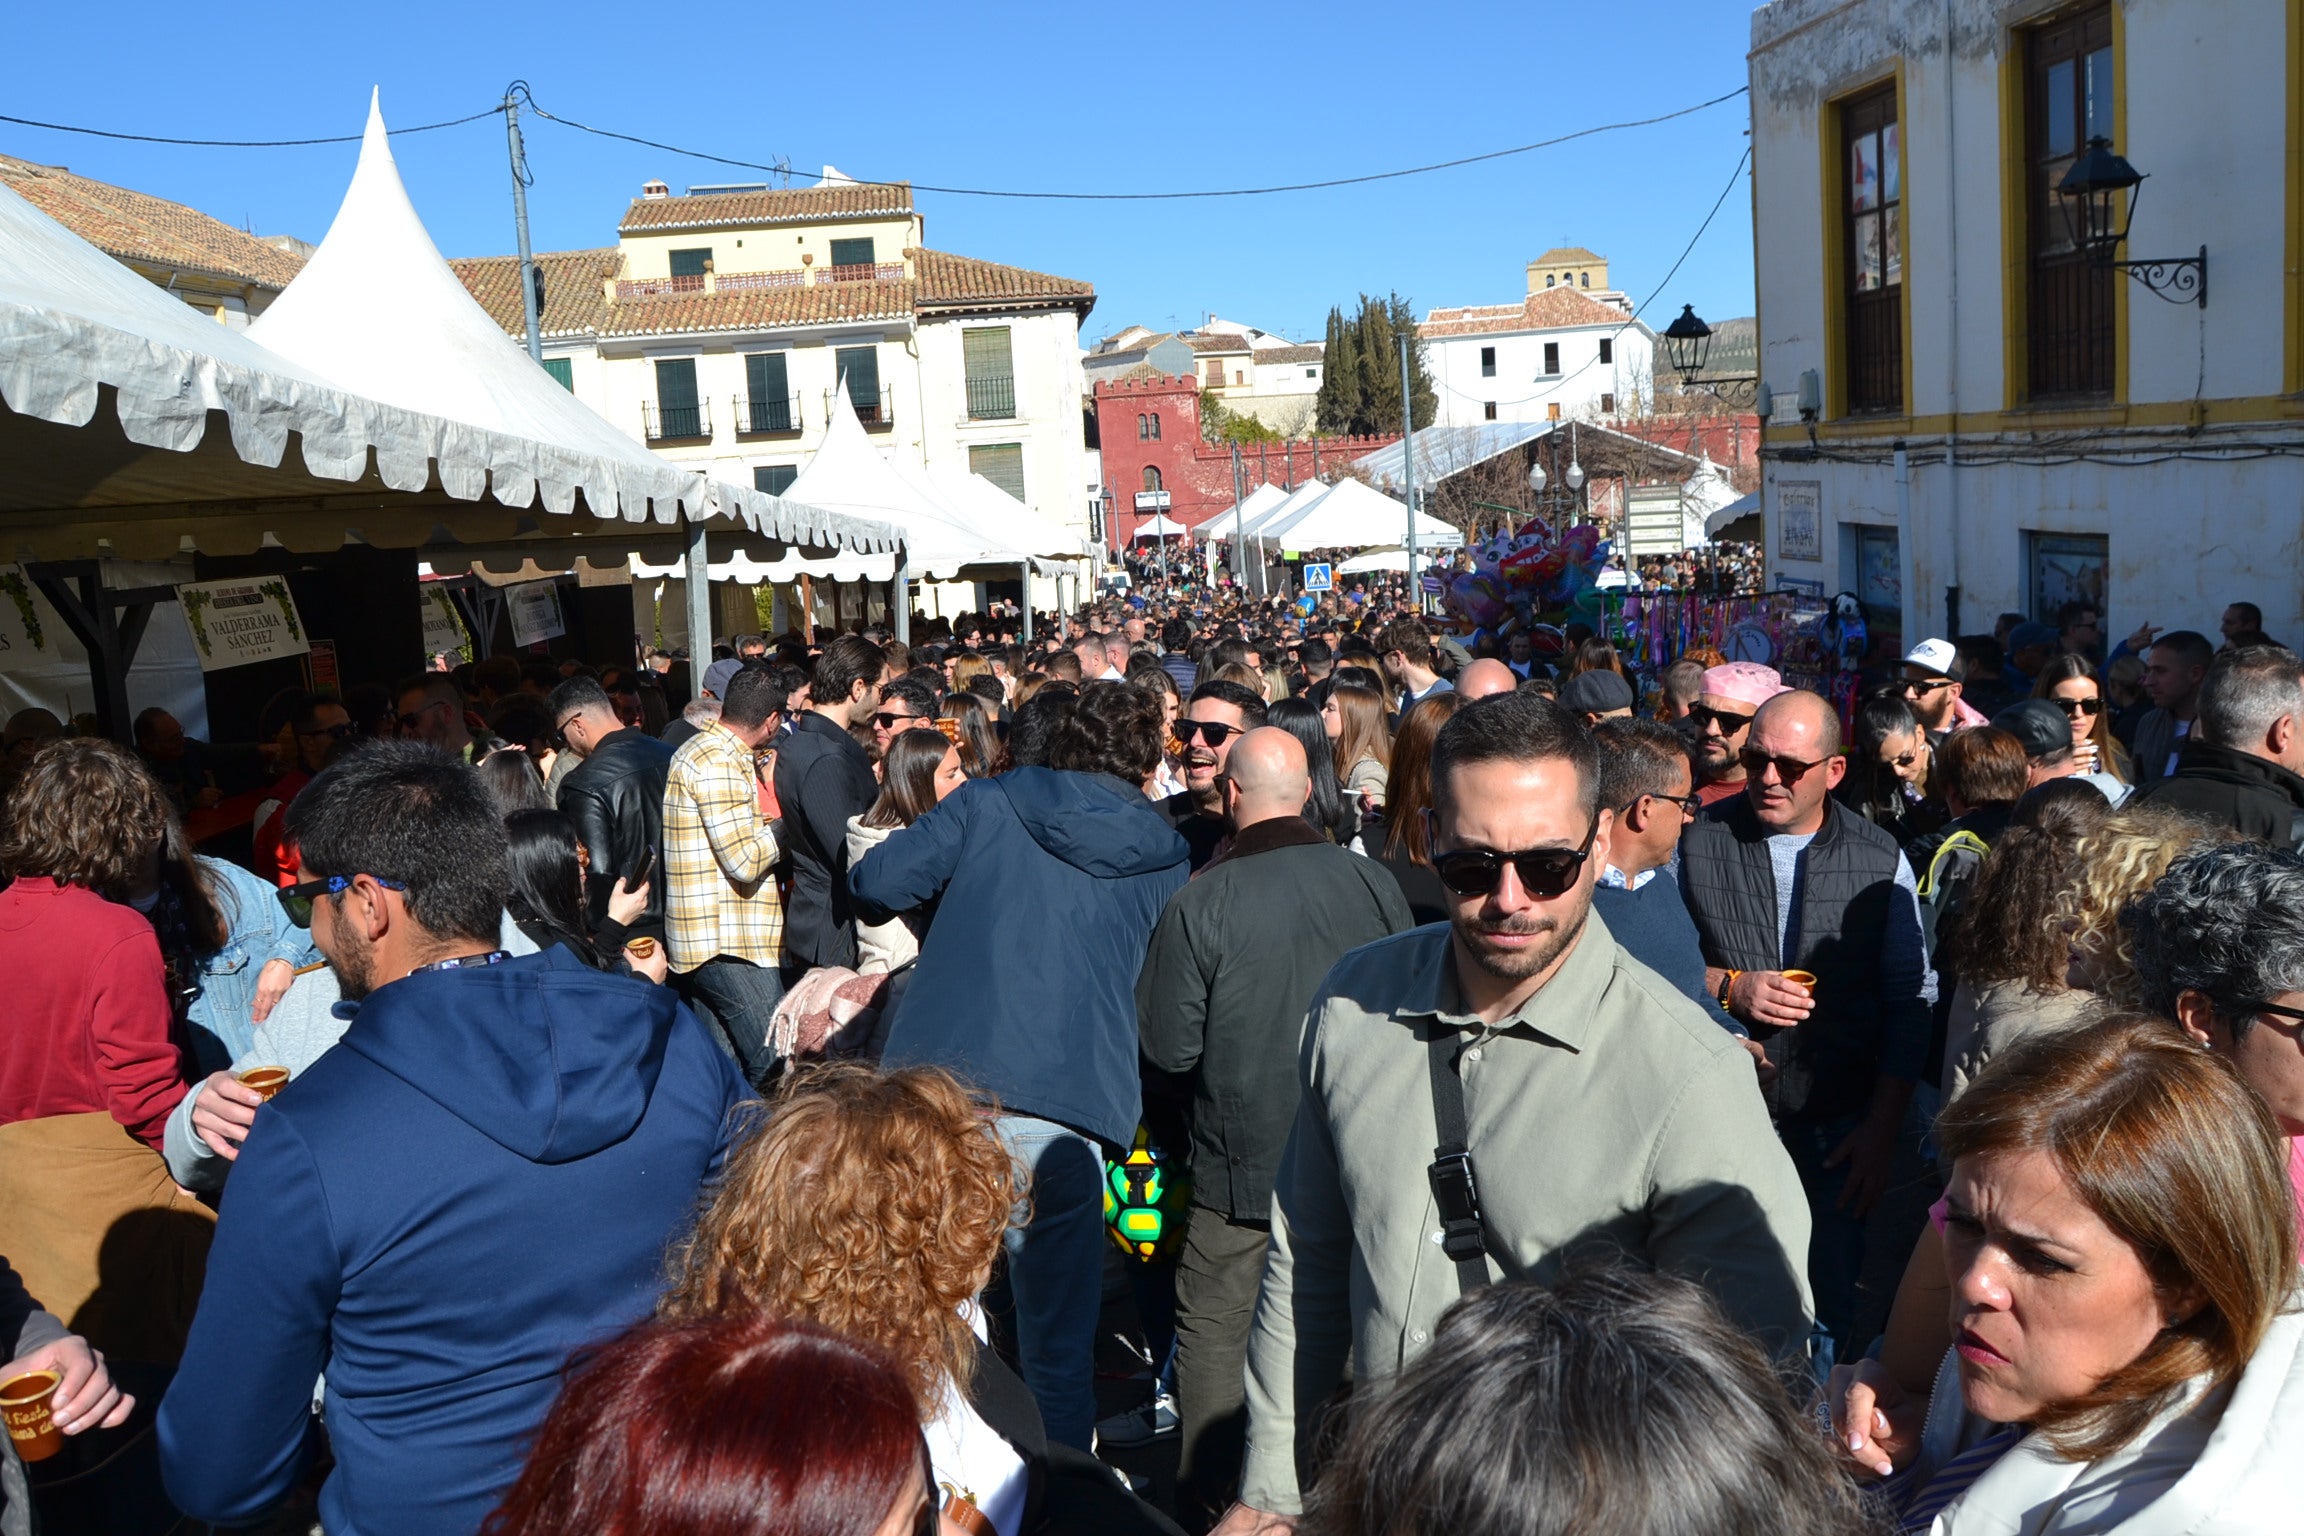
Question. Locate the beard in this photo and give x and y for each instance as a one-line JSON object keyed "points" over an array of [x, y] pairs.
{"points": [[355, 968], [1521, 961]]}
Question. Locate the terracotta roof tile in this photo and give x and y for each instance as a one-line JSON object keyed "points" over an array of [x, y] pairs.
{"points": [[1561, 255], [575, 301], [949, 281], [1216, 341], [134, 226], [759, 309], [1551, 309], [718, 210], [1291, 354]]}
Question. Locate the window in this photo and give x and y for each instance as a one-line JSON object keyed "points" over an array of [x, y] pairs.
{"points": [[1872, 251], [767, 393], [1000, 463], [1487, 362], [852, 253], [1488, 411], [1583, 279], [2068, 100], [1143, 427], [775, 479], [1215, 375], [1607, 351], [1551, 357], [1549, 279], [1607, 404], [692, 263], [563, 370], [991, 370], [1552, 411], [1311, 373], [1152, 477], [860, 367], [678, 412], [1155, 426]]}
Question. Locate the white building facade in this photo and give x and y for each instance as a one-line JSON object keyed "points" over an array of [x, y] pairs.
{"points": [[720, 325], [2003, 424], [1568, 351]]}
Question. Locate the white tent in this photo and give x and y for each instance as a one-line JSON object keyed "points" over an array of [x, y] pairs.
{"points": [[846, 476], [378, 311], [1226, 524], [1718, 520], [1260, 525], [989, 507], [1351, 516], [1394, 559], [1160, 526]]}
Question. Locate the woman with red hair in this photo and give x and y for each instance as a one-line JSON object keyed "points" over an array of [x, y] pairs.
{"points": [[731, 1425]]}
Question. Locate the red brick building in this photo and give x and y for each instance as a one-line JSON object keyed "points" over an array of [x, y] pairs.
{"points": [[1149, 429]]}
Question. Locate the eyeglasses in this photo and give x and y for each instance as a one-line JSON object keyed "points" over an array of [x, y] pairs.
{"points": [[1729, 724], [1926, 685], [296, 900], [1691, 806], [2278, 1011], [1901, 760], [1210, 731], [339, 732], [1544, 872], [2075, 707], [410, 722], [888, 719], [1789, 769]]}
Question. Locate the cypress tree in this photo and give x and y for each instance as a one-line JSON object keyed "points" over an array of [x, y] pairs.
{"points": [[1379, 402], [1424, 400], [1338, 403]]}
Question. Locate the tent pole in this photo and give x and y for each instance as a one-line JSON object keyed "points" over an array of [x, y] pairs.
{"points": [[900, 597], [699, 595], [1027, 570]]}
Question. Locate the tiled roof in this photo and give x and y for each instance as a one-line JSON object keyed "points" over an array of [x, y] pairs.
{"points": [[1216, 341], [1551, 309], [720, 210], [760, 309], [575, 301], [136, 227], [947, 280], [1291, 354], [1561, 255]]}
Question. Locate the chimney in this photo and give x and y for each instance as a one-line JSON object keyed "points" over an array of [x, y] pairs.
{"points": [[654, 189]]}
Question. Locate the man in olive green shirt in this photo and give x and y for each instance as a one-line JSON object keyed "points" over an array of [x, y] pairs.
{"points": [[1605, 1111]]}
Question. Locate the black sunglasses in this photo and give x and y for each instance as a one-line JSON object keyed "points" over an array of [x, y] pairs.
{"points": [[1544, 872], [1705, 714], [1214, 733], [888, 718], [296, 900], [1926, 684], [1790, 769], [2072, 707], [2280, 1011], [339, 732]]}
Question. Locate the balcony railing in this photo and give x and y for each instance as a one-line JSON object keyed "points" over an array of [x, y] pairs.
{"points": [[752, 282], [759, 418], [875, 411], [991, 397], [677, 423]]}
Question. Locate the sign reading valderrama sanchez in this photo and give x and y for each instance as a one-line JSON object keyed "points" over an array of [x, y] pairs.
{"points": [[237, 622]]}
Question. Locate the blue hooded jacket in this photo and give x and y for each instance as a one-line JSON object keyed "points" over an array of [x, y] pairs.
{"points": [[480, 1178], [1051, 882]]}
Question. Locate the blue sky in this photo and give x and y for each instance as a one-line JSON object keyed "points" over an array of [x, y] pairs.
{"points": [[1006, 95]]}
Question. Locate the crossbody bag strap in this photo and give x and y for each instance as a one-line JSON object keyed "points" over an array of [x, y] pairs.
{"points": [[1463, 1235]]}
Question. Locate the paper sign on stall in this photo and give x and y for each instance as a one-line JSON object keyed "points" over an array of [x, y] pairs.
{"points": [[535, 610], [236, 622]]}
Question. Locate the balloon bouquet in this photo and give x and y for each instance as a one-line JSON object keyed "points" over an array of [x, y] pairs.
{"points": [[1519, 577]]}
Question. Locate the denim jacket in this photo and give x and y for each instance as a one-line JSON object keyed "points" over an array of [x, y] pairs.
{"points": [[257, 930]]}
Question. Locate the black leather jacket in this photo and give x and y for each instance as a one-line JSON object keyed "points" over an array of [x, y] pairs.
{"points": [[616, 799]]}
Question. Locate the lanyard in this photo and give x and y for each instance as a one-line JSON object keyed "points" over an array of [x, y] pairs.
{"points": [[493, 957]]}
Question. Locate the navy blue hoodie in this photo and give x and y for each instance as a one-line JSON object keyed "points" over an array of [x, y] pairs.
{"points": [[481, 1177], [1051, 883]]}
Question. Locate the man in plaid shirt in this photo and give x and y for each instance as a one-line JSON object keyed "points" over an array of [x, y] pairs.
{"points": [[723, 919]]}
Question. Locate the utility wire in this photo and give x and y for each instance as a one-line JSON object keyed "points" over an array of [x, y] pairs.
{"points": [[1138, 197], [153, 138]]}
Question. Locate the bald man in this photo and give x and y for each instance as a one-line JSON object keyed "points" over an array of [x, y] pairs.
{"points": [[1484, 677], [1785, 878], [1232, 968]]}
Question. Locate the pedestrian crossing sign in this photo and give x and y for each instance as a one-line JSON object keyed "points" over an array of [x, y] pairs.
{"points": [[1319, 576]]}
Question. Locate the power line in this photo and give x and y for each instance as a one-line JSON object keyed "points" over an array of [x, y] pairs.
{"points": [[153, 138], [1138, 197]]}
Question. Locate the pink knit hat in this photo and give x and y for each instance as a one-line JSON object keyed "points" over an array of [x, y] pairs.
{"points": [[1747, 682]]}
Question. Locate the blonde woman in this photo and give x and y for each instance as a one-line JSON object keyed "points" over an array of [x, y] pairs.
{"points": [[2112, 866]]}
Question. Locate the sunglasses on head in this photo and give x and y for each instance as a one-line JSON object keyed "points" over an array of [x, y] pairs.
{"points": [[1788, 769], [1729, 724], [296, 900], [2072, 707], [1544, 872], [1210, 731]]}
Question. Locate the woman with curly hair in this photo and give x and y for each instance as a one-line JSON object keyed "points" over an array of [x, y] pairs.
{"points": [[874, 1204], [2122, 859], [2004, 943]]}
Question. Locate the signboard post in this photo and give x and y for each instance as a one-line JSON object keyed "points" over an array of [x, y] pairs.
{"points": [[1319, 576], [234, 623]]}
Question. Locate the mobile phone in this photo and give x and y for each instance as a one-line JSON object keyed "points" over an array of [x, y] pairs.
{"points": [[643, 870]]}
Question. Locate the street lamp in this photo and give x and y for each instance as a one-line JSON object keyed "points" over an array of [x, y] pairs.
{"points": [[2095, 217], [1688, 347]]}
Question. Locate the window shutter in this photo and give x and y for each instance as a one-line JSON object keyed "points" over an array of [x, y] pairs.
{"points": [[563, 370], [1607, 351], [852, 253], [1000, 463], [765, 379], [860, 366], [984, 350], [774, 478], [1551, 357], [691, 263]]}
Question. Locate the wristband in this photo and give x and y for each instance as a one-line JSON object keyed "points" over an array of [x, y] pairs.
{"points": [[1726, 982]]}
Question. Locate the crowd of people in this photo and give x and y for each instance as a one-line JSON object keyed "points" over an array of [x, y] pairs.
{"points": [[546, 1102]]}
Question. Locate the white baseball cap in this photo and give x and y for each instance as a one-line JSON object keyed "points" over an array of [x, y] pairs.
{"points": [[1935, 655]]}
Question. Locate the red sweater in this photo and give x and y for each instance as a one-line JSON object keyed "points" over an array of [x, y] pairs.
{"points": [[86, 1026]]}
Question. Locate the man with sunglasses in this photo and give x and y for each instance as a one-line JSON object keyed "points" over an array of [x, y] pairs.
{"points": [[1217, 715], [905, 705], [615, 797], [431, 710], [479, 1178], [323, 728], [1597, 1105], [1933, 673], [1789, 878], [1721, 717]]}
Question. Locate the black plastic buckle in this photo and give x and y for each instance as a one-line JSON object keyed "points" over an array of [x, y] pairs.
{"points": [[1458, 1198]]}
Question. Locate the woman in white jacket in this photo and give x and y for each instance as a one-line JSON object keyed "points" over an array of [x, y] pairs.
{"points": [[2119, 1242], [919, 768]]}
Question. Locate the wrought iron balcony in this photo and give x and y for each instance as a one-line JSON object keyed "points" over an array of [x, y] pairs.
{"points": [[875, 410], [677, 423], [991, 397], [760, 418]]}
